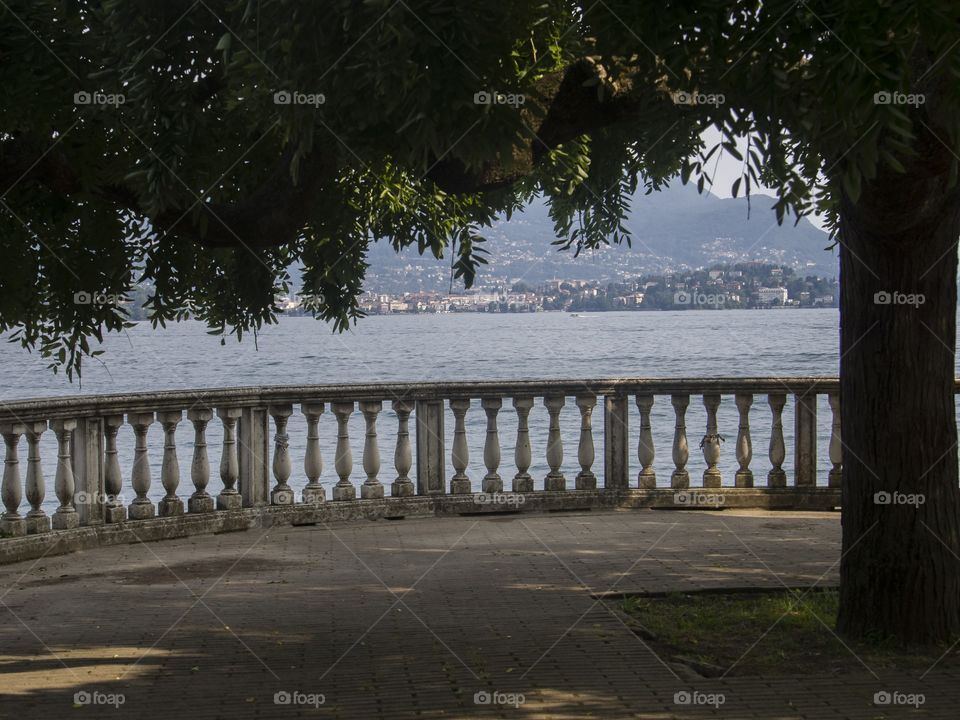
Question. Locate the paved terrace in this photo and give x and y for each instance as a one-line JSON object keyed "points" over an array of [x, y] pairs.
{"points": [[411, 618]]}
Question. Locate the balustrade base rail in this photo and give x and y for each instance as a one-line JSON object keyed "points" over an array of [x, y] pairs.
{"points": [[59, 542]]}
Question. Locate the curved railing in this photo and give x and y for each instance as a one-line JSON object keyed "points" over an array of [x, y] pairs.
{"points": [[257, 437]]}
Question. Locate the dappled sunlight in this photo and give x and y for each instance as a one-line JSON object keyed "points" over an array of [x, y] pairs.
{"points": [[80, 667]]}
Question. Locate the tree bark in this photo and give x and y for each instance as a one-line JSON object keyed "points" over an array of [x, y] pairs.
{"points": [[900, 572]]}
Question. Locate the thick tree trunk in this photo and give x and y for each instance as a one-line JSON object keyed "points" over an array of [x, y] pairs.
{"points": [[900, 572]]}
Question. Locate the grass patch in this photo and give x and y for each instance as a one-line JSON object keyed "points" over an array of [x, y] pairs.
{"points": [[712, 633]]}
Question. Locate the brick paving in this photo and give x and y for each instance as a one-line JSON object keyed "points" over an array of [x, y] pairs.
{"points": [[414, 618]]}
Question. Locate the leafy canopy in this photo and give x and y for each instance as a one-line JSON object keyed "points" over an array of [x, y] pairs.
{"points": [[182, 168]]}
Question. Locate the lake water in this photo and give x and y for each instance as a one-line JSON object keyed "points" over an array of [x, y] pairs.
{"points": [[463, 347]]}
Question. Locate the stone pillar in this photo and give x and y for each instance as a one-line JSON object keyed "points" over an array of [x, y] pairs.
{"points": [[744, 476], [66, 516], [616, 443], [554, 479], [37, 519], [313, 493], [87, 455], [200, 501], [282, 493], [343, 462], [777, 477], [431, 470], [680, 478], [586, 454], [647, 477], [12, 524], [710, 444], [805, 439], [492, 482], [372, 488], [114, 511], [403, 456], [460, 483], [836, 445], [522, 481], [254, 455], [141, 508], [229, 498], [171, 505]]}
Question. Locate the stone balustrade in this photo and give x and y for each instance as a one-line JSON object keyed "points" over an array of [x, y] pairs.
{"points": [[259, 473]]}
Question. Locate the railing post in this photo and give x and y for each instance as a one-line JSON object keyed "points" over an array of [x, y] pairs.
{"points": [[87, 455], [836, 445], [431, 470], [460, 482], [141, 507], [777, 477], [343, 460], [403, 456], [254, 456], [66, 516], [372, 488], [170, 505], [554, 479], [522, 481], [313, 492], [12, 524], [200, 501], [586, 480], [616, 443], [744, 475], [492, 482], [805, 439], [114, 511], [282, 493], [680, 478], [647, 477], [710, 444], [229, 498]]}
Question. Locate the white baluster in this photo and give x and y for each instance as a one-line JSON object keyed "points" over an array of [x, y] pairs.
{"points": [[343, 462], [836, 444], [313, 492], [12, 524], [522, 481], [142, 507], [460, 483], [170, 505], [777, 477], [282, 493], [229, 498], [114, 510], [403, 456], [680, 478], [586, 454], [37, 520], [744, 476], [200, 501], [554, 479], [647, 477], [710, 444], [66, 517], [492, 483], [372, 488]]}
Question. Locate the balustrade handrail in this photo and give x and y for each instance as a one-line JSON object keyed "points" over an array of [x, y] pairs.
{"points": [[52, 408]]}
